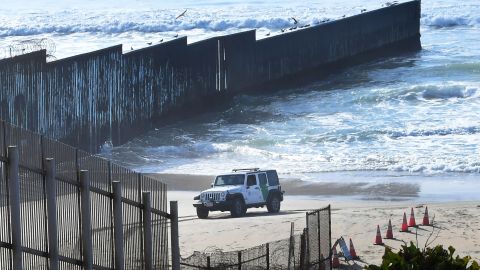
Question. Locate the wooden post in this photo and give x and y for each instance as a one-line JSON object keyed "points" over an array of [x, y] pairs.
{"points": [[174, 236], [14, 190], [118, 226], [240, 260], [303, 250], [86, 220], [147, 231], [51, 194], [267, 255], [208, 262]]}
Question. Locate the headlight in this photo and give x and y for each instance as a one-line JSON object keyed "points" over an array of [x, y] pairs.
{"points": [[202, 196], [223, 195]]}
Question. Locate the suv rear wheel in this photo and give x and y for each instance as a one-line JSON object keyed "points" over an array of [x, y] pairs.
{"points": [[273, 205], [202, 212], [238, 208]]}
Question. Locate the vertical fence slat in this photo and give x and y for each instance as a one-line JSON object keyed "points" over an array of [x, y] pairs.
{"points": [[174, 235], [86, 220], [118, 226], [16, 225], [51, 189], [147, 231]]}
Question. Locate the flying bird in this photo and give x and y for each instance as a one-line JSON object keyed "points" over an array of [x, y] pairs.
{"points": [[295, 21], [181, 15]]}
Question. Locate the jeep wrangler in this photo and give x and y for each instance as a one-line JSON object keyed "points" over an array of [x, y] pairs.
{"points": [[240, 190]]}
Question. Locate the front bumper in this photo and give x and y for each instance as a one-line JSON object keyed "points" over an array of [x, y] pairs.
{"points": [[215, 206]]}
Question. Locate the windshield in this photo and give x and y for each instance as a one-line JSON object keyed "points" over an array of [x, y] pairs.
{"points": [[227, 180]]}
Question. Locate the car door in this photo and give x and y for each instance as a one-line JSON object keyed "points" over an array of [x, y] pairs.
{"points": [[253, 191]]}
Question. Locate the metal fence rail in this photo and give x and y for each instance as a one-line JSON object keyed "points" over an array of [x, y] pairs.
{"points": [[63, 208]]}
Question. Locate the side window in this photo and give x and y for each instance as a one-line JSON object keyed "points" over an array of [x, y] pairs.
{"points": [[262, 178], [272, 178], [251, 180]]}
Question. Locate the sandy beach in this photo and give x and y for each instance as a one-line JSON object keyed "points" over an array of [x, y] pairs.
{"points": [[457, 223]]}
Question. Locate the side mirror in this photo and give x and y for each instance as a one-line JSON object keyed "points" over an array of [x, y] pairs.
{"points": [[248, 187], [211, 185]]}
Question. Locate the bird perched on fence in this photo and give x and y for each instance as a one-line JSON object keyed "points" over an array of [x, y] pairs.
{"points": [[282, 30], [181, 15], [149, 43], [295, 21], [161, 40], [268, 34], [363, 10], [176, 35], [131, 48]]}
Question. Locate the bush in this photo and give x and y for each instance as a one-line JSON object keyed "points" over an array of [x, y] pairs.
{"points": [[413, 258]]}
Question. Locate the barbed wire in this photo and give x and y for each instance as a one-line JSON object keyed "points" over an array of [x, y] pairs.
{"points": [[29, 45]]}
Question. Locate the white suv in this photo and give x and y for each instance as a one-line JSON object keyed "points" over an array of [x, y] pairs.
{"points": [[239, 190]]}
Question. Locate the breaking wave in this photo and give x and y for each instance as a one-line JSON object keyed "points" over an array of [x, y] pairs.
{"points": [[442, 21]]}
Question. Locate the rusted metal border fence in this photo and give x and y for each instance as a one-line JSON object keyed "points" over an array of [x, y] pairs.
{"points": [[62, 208], [87, 99]]}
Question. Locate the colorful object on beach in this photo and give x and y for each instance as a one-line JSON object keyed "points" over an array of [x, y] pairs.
{"points": [[335, 260], [378, 238], [389, 234], [404, 223], [411, 222], [353, 253], [426, 220]]}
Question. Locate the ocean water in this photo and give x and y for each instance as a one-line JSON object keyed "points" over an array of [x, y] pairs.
{"points": [[413, 118]]}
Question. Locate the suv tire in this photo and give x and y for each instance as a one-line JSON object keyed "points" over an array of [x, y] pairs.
{"points": [[238, 208], [273, 205], [202, 212]]}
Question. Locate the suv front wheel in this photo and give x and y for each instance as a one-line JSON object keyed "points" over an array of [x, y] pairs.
{"points": [[273, 205], [202, 212], [238, 208]]}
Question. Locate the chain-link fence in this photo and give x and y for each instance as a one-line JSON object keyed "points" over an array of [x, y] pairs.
{"points": [[319, 241], [309, 250]]}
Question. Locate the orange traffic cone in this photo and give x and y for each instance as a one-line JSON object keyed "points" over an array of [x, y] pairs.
{"points": [[426, 220], [411, 222], [352, 250], [404, 223], [335, 260], [378, 238], [389, 230]]}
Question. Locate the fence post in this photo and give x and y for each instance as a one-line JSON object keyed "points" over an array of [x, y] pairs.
{"points": [[174, 236], [268, 256], [14, 190], [240, 260], [147, 231], [319, 237], [303, 250], [330, 236], [208, 262], [51, 193], [118, 226], [86, 220]]}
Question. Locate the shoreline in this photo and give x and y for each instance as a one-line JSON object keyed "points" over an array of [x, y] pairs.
{"points": [[362, 188]]}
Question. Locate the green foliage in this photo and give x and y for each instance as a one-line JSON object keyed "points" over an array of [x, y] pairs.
{"points": [[413, 258]]}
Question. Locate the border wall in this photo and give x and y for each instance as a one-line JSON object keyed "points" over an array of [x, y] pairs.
{"points": [[104, 95]]}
